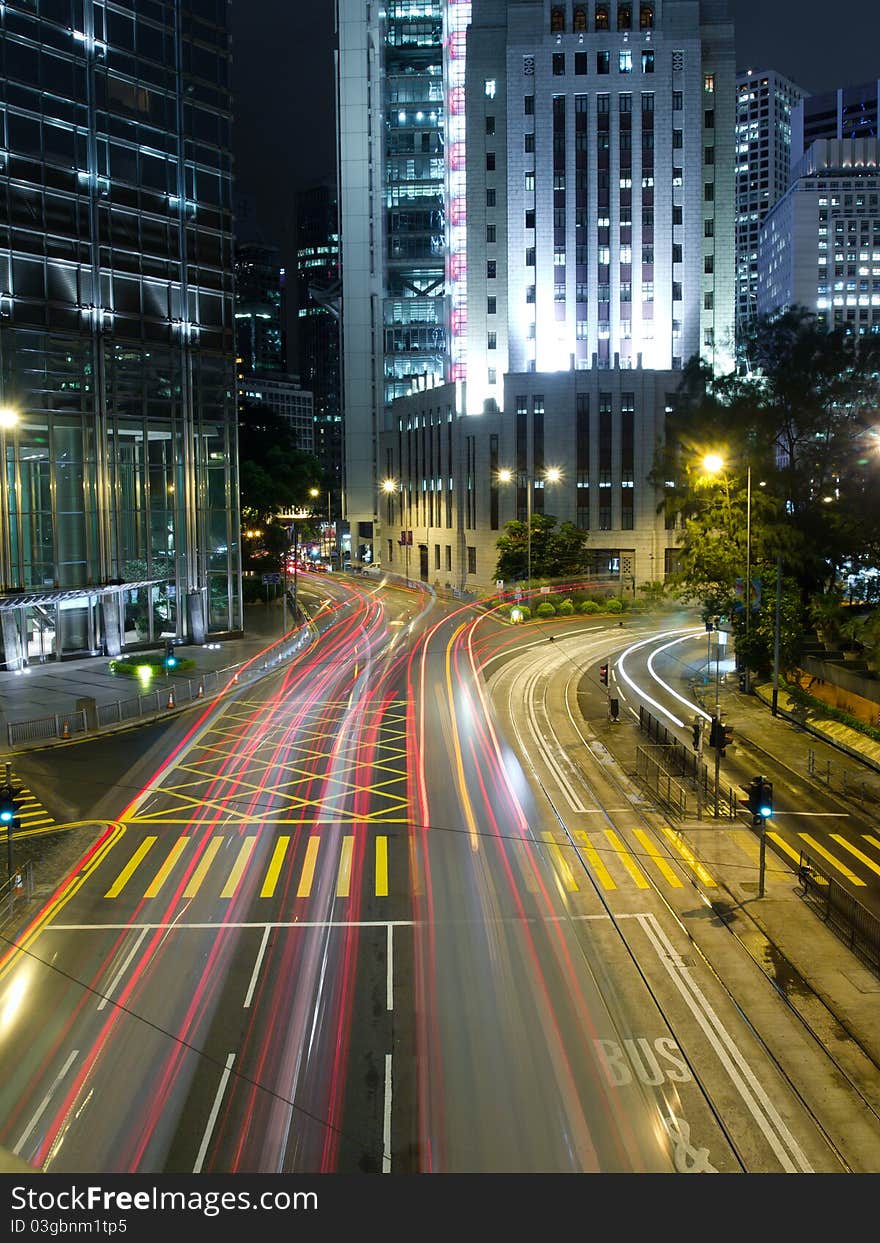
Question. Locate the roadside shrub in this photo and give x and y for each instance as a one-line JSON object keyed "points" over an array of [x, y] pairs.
{"points": [[524, 610], [566, 608], [545, 609], [129, 667], [613, 605], [590, 606]]}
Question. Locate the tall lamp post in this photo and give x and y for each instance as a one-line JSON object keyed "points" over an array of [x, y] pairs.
{"points": [[713, 464], [552, 475], [314, 493], [390, 488]]}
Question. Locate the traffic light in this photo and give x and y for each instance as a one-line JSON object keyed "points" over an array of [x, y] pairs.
{"points": [[697, 727], [715, 732], [760, 799], [8, 807], [614, 708], [170, 658], [603, 674], [726, 736]]}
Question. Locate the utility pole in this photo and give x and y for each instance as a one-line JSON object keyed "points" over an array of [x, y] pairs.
{"points": [[776, 627], [717, 718]]}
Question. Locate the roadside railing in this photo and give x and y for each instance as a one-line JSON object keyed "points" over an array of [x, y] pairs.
{"points": [[845, 781], [16, 891], [677, 760], [175, 692], [853, 923], [661, 782]]}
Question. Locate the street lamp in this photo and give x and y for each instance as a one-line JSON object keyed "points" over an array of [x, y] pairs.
{"points": [[390, 487], [713, 464], [552, 475], [314, 493]]}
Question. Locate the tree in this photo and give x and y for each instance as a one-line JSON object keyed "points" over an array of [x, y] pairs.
{"points": [[803, 421], [558, 551]]}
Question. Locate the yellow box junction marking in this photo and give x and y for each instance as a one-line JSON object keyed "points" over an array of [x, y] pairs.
{"points": [[595, 860], [657, 859], [130, 868]]}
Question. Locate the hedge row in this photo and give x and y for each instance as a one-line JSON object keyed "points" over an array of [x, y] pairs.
{"points": [[568, 607], [155, 662]]}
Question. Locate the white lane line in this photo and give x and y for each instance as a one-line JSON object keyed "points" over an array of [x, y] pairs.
{"points": [[389, 969], [256, 970], [122, 970], [215, 1109], [564, 784], [45, 1101], [740, 1073], [234, 923], [386, 1130]]}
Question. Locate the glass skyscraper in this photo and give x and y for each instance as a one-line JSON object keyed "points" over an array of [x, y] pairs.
{"points": [[119, 515]]}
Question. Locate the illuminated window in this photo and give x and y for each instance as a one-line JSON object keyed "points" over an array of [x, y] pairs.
{"points": [[625, 61], [709, 82], [490, 88], [580, 19], [602, 22], [646, 17], [647, 62], [624, 17]]}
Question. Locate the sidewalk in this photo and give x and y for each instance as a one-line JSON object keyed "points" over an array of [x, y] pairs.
{"points": [[37, 705]]}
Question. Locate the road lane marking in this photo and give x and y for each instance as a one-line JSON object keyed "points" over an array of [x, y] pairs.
{"points": [[241, 862], [689, 857], [111, 989], [627, 860], [386, 1129], [872, 841], [195, 881], [275, 863], [381, 867], [215, 1109], [164, 871], [564, 872], [41, 1109], [256, 971], [128, 871], [595, 860], [659, 862], [343, 880], [523, 852], [389, 968], [308, 872], [841, 867], [854, 850]]}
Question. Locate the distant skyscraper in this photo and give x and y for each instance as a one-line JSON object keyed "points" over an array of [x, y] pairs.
{"points": [[820, 244], [260, 308], [848, 112], [764, 103], [318, 292], [119, 515], [532, 190]]}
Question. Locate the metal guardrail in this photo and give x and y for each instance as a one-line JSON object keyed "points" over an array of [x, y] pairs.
{"points": [[680, 761], [661, 782], [176, 692], [847, 918], [846, 781]]}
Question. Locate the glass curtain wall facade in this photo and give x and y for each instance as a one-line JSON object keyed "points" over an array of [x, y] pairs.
{"points": [[120, 491]]}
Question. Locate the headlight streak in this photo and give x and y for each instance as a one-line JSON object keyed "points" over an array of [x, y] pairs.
{"points": [[622, 673]]}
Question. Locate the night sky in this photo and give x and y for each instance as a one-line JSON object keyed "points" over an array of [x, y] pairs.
{"points": [[284, 95]]}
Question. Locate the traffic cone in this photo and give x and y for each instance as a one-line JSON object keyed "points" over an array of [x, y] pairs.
{"points": [[201, 691], [65, 730], [170, 703]]}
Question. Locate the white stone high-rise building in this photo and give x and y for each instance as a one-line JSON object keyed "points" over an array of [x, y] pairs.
{"points": [[765, 100], [528, 188]]}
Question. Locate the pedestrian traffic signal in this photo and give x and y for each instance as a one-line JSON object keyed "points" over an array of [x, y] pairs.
{"points": [[765, 802], [8, 806], [170, 658], [603, 674]]}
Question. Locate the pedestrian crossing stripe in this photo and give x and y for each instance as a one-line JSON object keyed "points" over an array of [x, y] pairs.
{"points": [[196, 870], [32, 816]]}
